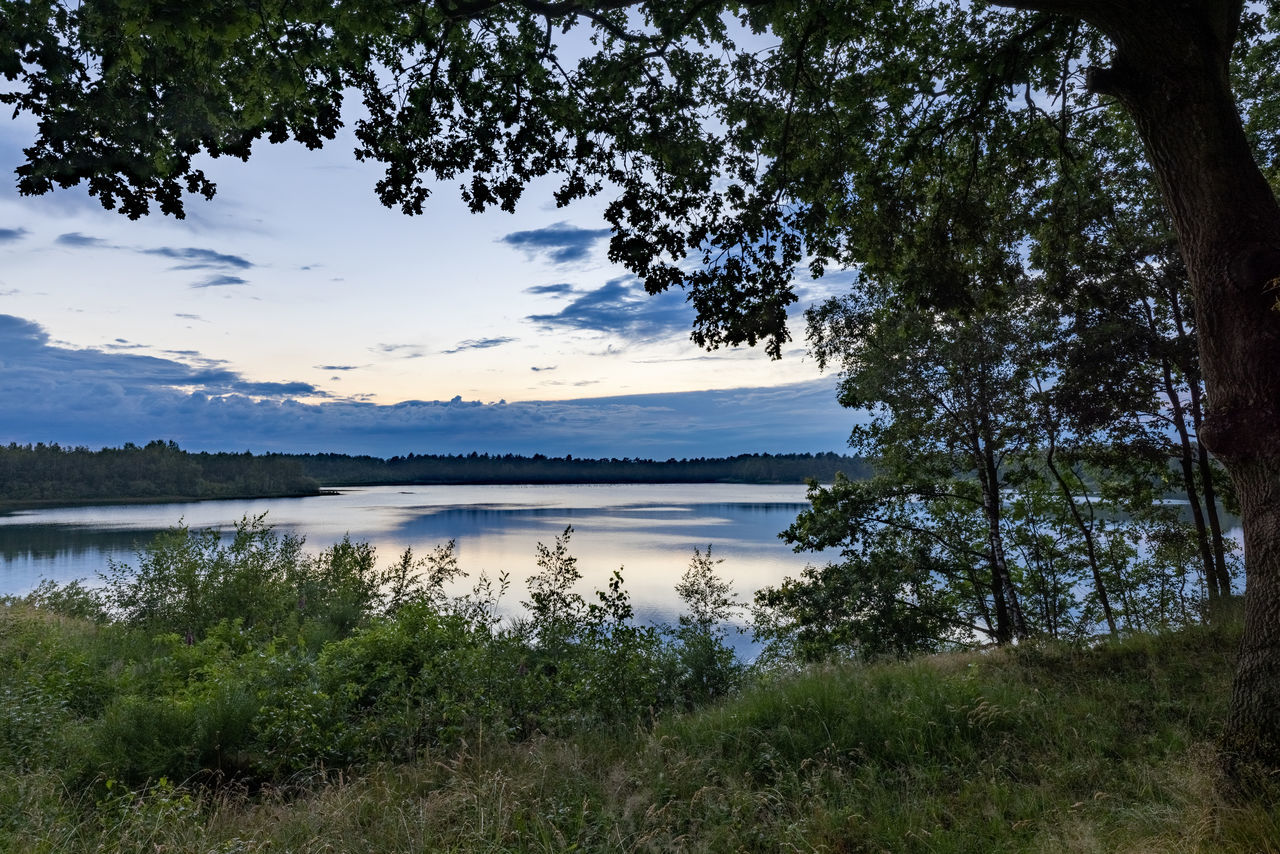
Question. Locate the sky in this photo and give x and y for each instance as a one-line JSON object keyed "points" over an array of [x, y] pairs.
{"points": [[295, 313]]}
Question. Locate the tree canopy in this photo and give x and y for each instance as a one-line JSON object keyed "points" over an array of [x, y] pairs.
{"points": [[929, 145]]}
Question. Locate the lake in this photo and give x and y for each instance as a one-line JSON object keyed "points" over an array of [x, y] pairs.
{"points": [[647, 530]]}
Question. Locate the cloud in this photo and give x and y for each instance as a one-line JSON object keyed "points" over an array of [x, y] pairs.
{"points": [[262, 389], [192, 258], [535, 368], [220, 282], [35, 364], [403, 351], [337, 367], [561, 243], [478, 344], [12, 235], [833, 283], [621, 307], [560, 289], [200, 259], [186, 316], [81, 241], [723, 356], [54, 393], [578, 384]]}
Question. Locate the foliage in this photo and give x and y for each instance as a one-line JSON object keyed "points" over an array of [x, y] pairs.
{"points": [[1015, 494], [955, 753], [72, 599], [708, 665], [243, 658], [716, 151], [867, 606], [933, 147], [50, 474]]}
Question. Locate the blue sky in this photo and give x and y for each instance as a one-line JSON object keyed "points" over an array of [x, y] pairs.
{"points": [[295, 313]]}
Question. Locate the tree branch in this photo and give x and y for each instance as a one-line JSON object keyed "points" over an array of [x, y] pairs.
{"points": [[1074, 8], [550, 10]]}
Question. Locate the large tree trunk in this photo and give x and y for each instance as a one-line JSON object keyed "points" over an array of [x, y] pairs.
{"points": [[1170, 72]]}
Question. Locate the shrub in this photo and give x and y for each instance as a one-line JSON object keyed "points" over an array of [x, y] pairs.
{"points": [[709, 668]]}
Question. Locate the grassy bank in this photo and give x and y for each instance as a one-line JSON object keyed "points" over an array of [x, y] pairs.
{"points": [[1043, 748]]}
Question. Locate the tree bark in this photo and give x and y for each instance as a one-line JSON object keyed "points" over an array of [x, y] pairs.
{"points": [[1170, 72]]}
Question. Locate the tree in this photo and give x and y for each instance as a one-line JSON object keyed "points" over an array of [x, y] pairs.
{"points": [[853, 138], [994, 472], [949, 410], [1129, 370]]}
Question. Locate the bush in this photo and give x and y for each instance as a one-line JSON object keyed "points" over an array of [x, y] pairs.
{"points": [[709, 669], [186, 582], [244, 658]]}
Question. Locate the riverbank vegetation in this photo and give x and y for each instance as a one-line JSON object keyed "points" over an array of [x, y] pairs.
{"points": [[237, 694]]}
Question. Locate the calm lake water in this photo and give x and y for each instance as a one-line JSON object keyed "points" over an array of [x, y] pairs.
{"points": [[649, 531]]}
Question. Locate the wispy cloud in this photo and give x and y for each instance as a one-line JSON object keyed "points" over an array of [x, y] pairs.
{"points": [[478, 344], [81, 241], [12, 235], [559, 289], [222, 281], [402, 351], [337, 367], [723, 356], [621, 307], [576, 384], [537, 369], [189, 258], [186, 316], [266, 389], [560, 243], [200, 259]]}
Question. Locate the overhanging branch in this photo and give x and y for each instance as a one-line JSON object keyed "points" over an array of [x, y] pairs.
{"points": [[594, 12]]}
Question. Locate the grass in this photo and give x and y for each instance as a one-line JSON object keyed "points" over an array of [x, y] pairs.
{"points": [[1042, 748]]}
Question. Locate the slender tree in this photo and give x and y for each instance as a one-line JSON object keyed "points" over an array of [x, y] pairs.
{"points": [[948, 398]]}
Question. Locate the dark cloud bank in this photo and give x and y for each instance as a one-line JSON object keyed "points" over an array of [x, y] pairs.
{"points": [[96, 398]]}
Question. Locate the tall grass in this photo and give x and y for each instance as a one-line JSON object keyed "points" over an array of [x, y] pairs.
{"points": [[1041, 748], [358, 711]]}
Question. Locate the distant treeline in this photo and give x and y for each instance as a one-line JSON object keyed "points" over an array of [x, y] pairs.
{"points": [[32, 475], [51, 474], [331, 469]]}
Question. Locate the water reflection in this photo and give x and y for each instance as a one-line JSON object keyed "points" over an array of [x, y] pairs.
{"points": [[55, 542]]}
